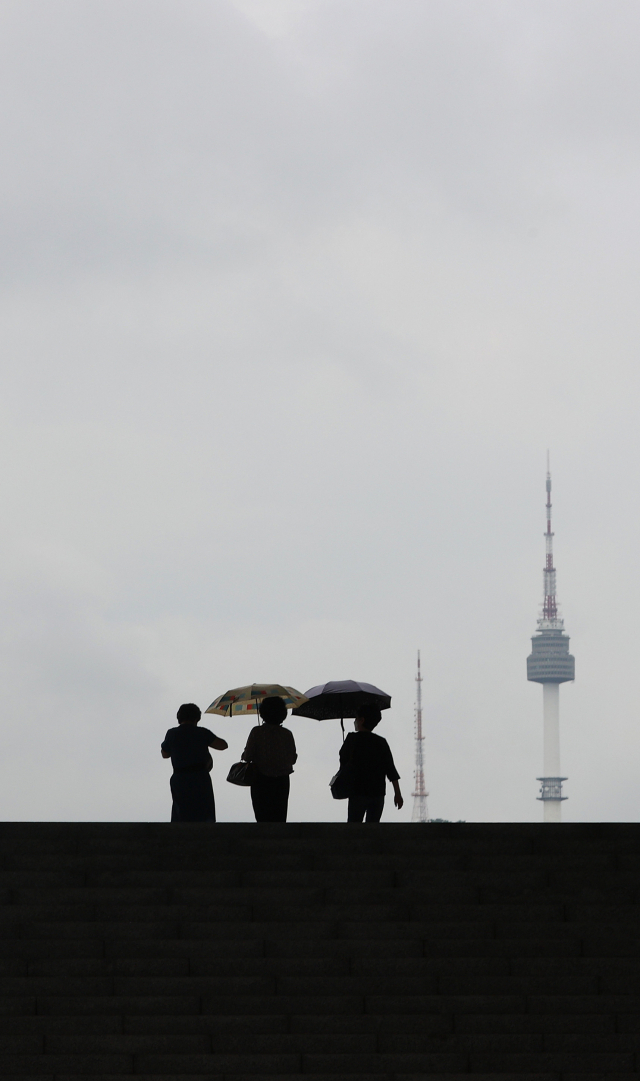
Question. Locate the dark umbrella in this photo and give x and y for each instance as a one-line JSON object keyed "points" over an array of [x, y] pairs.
{"points": [[342, 698]]}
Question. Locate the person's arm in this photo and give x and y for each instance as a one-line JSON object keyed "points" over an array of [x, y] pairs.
{"points": [[247, 754], [345, 750], [393, 776], [164, 751], [294, 753], [165, 754], [217, 743]]}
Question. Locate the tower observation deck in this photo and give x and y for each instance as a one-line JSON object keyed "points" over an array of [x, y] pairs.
{"points": [[550, 664]]}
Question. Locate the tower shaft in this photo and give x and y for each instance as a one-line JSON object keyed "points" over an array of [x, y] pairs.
{"points": [[551, 719], [551, 781], [420, 812]]}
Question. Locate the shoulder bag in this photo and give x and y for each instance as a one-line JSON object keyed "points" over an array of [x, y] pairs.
{"points": [[339, 784], [242, 773]]}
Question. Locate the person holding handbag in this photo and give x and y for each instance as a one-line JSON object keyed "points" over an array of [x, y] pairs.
{"points": [[366, 761], [272, 752]]}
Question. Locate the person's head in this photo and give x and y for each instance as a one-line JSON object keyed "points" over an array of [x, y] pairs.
{"points": [[273, 710], [189, 713], [367, 718]]}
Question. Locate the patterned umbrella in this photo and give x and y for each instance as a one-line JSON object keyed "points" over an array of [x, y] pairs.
{"points": [[243, 701]]}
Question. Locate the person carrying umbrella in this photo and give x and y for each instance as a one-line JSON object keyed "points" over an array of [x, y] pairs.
{"points": [[188, 748], [367, 761], [272, 751]]}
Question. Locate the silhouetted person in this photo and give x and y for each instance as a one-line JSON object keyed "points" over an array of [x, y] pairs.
{"points": [[368, 761], [272, 751], [188, 748]]}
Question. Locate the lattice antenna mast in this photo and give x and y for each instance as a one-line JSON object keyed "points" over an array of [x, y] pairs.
{"points": [[420, 812], [549, 604]]}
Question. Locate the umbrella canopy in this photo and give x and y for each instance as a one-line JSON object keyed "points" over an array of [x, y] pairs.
{"points": [[246, 700], [341, 699]]}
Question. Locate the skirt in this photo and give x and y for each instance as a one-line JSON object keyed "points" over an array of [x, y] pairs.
{"points": [[192, 797]]}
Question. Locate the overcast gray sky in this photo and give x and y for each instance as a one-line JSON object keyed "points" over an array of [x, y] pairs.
{"points": [[294, 296]]}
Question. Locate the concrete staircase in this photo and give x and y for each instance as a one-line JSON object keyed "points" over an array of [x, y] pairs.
{"points": [[320, 951]]}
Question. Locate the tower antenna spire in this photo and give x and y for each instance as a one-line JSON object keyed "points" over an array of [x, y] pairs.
{"points": [[550, 664], [549, 605], [420, 812]]}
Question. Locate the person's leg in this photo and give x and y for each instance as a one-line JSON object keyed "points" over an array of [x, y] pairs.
{"points": [[374, 809], [280, 798], [175, 806], [357, 807], [211, 817], [259, 800], [209, 802], [271, 799], [204, 807]]}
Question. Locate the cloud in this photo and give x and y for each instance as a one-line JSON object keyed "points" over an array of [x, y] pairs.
{"points": [[293, 301]]}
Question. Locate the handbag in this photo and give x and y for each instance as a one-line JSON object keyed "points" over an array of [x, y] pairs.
{"points": [[242, 773], [339, 784]]}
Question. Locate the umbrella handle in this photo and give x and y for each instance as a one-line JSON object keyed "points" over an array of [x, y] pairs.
{"points": [[342, 727]]}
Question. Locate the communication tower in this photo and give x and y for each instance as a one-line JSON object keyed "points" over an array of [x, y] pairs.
{"points": [[550, 664], [420, 812]]}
